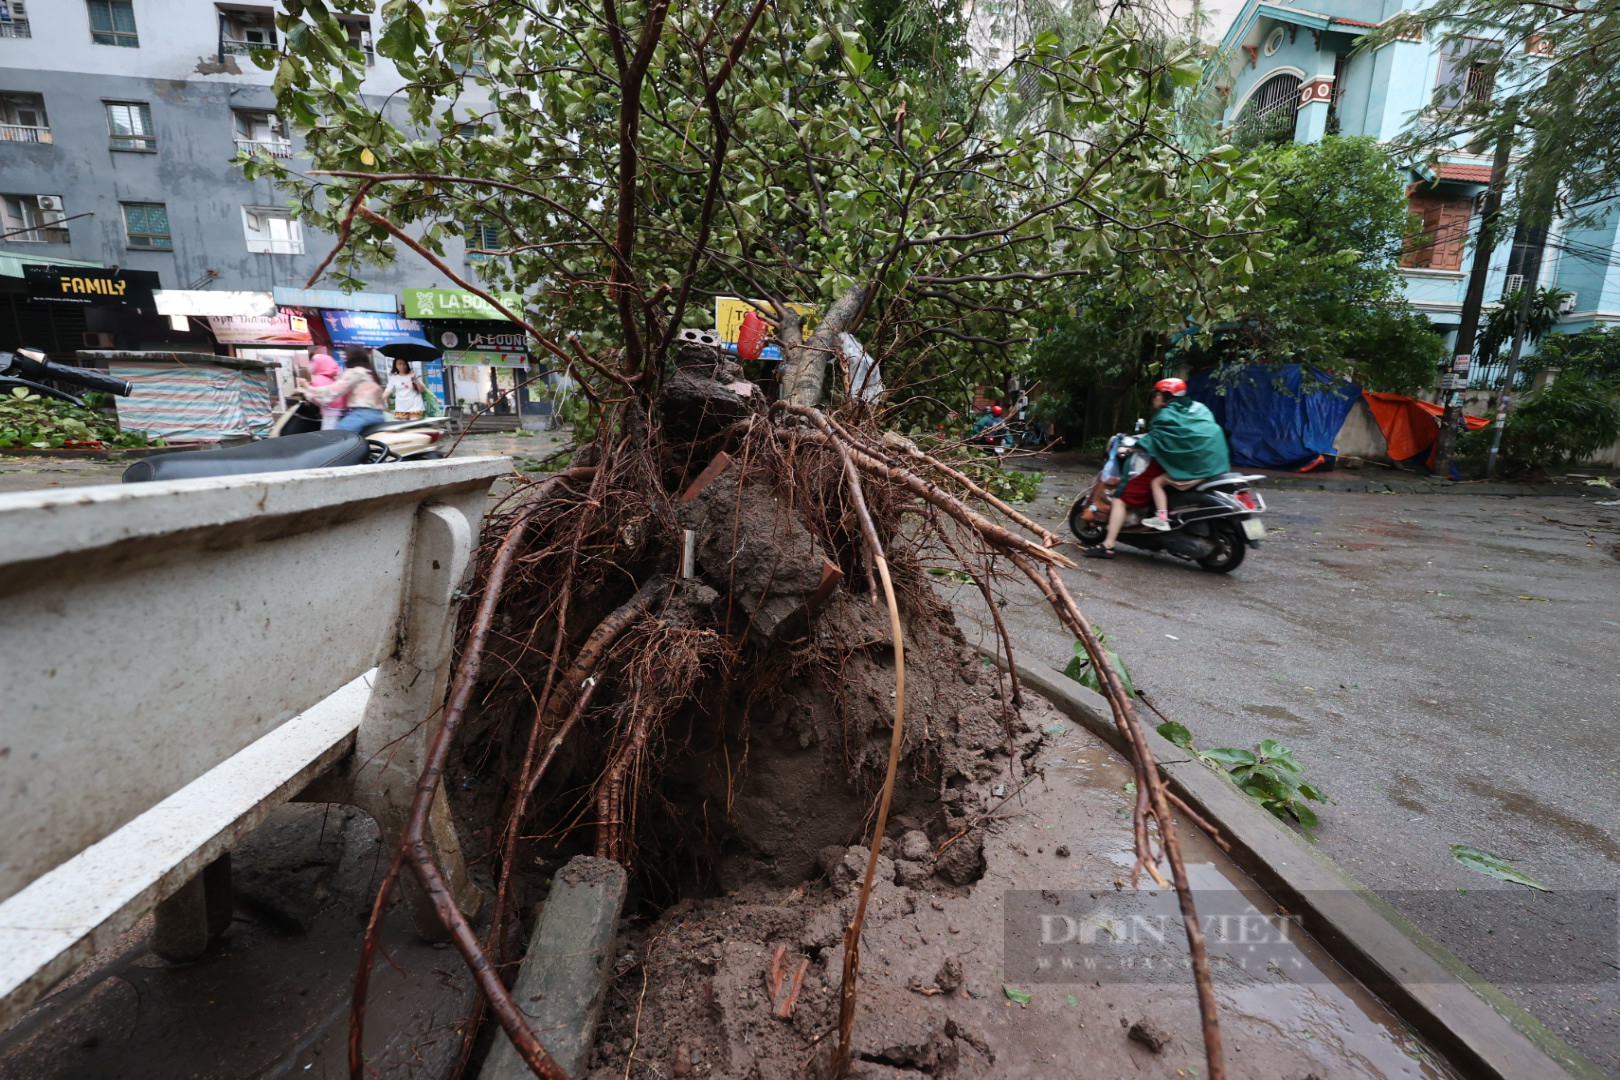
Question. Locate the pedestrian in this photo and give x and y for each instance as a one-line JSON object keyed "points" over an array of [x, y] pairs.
{"points": [[324, 371], [360, 388], [406, 389]]}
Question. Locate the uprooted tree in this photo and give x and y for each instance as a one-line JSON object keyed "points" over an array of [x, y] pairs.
{"points": [[636, 160]]}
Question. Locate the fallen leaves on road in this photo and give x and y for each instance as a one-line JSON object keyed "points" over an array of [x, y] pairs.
{"points": [[1483, 862]]}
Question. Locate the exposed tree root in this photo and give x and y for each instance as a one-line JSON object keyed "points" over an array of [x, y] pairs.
{"points": [[793, 511]]}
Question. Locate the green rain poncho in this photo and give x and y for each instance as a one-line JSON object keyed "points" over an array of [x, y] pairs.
{"points": [[1185, 439]]}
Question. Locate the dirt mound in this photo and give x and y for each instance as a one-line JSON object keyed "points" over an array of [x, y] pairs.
{"points": [[746, 984]]}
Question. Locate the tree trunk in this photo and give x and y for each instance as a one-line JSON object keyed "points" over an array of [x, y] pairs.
{"points": [[804, 364]]}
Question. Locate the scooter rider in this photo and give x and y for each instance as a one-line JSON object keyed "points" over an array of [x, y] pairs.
{"points": [[1186, 445]]}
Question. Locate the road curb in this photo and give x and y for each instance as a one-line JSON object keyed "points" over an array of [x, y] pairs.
{"points": [[563, 981], [1481, 1032]]}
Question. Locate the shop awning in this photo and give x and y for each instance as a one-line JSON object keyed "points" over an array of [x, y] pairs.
{"points": [[287, 296], [205, 302], [11, 265]]}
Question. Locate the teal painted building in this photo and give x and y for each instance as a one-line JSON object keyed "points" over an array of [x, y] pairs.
{"points": [[1287, 72]]}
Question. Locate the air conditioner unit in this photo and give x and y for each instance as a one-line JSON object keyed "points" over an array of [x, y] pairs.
{"points": [[1512, 283], [98, 340], [49, 202], [1568, 304]]}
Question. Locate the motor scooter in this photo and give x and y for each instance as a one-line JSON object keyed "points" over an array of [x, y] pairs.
{"points": [[401, 440], [1213, 524], [25, 367]]}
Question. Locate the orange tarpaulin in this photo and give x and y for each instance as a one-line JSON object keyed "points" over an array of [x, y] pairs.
{"points": [[1410, 426]]}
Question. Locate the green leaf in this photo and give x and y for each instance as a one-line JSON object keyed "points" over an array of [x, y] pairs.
{"points": [[1232, 755], [1495, 866], [817, 48], [1305, 815], [1176, 733], [1271, 748], [1023, 997], [1314, 794]]}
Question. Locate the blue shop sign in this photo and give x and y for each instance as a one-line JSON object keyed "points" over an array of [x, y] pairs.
{"points": [[370, 328]]}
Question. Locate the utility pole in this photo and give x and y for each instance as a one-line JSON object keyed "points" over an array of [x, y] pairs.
{"points": [[1532, 272], [1455, 381]]}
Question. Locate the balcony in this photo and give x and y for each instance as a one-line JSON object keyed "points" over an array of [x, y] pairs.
{"points": [[24, 132], [15, 28], [279, 148], [241, 47], [39, 234]]}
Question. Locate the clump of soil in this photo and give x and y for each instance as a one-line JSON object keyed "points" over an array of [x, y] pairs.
{"points": [[695, 994]]}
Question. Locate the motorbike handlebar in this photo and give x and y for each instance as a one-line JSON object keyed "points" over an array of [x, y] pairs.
{"points": [[23, 366]]}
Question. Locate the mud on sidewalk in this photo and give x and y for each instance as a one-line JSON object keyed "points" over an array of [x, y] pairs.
{"points": [[746, 985]]}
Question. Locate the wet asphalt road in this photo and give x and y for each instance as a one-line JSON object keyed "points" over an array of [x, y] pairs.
{"points": [[1446, 668]]}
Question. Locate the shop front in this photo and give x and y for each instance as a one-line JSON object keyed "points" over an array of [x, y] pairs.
{"points": [[486, 362]]}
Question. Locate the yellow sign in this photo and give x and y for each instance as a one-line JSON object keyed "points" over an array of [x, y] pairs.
{"points": [[98, 286], [729, 312]]}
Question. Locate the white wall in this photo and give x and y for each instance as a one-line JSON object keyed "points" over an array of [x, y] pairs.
{"points": [[179, 39]]}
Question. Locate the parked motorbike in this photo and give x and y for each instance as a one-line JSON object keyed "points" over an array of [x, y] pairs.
{"points": [[401, 440], [1214, 524], [25, 367]]}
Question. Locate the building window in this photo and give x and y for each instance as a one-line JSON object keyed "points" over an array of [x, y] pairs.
{"points": [[130, 125], [147, 225], [22, 118], [1467, 73], [1271, 111], [112, 22], [242, 30], [14, 19], [1442, 233], [261, 130], [484, 234], [360, 38], [272, 230], [32, 219]]}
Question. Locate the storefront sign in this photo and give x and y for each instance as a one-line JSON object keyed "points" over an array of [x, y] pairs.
{"points": [[98, 286], [433, 377], [287, 296], [370, 328], [285, 327], [481, 342], [728, 317], [457, 304], [207, 303]]}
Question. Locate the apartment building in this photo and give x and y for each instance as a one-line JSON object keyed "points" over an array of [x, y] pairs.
{"points": [[118, 123]]}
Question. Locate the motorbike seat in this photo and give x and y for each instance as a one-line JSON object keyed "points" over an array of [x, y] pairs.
{"points": [[1227, 479], [315, 450]]}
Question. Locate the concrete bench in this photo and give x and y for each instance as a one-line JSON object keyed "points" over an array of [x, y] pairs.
{"points": [[179, 658]]}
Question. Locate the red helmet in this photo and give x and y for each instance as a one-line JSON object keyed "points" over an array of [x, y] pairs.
{"points": [[1173, 387], [995, 410]]}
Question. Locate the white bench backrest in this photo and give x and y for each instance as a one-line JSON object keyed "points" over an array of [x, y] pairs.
{"points": [[148, 632]]}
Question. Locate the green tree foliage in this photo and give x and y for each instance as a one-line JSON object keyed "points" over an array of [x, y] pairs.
{"points": [[1332, 298], [1497, 335], [637, 159], [1559, 425], [1552, 67], [1591, 354]]}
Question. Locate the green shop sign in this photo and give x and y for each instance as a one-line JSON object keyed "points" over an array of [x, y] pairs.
{"points": [[456, 304]]}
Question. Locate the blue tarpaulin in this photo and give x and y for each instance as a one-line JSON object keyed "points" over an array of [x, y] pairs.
{"points": [[1269, 422]]}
